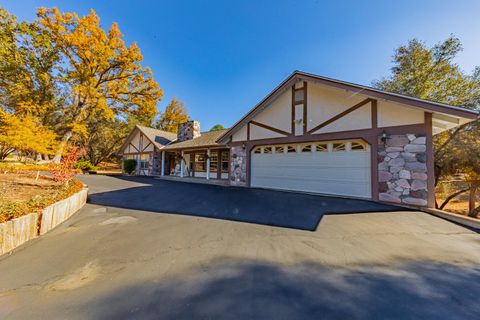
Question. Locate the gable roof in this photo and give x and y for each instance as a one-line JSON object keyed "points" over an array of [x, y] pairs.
{"points": [[158, 138], [206, 139], [357, 88]]}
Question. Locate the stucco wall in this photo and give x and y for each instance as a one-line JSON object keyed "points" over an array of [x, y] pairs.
{"points": [[323, 103], [257, 132], [395, 114], [240, 135], [146, 145], [278, 113]]}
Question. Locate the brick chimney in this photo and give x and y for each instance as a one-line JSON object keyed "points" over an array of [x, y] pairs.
{"points": [[188, 130]]}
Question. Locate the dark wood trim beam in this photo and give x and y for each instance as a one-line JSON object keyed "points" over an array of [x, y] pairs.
{"points": [[374, 166], [305, 106], [148, 145], [264, 126], [425, 104], [430, 161], [374, 114], [248, 130], [134, 147], [364, 134], [130, 153], [341, 115], [292, 131]]}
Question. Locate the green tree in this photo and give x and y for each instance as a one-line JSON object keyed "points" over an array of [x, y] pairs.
{"points": [[432, 74], [174, 114], [217, 127]]}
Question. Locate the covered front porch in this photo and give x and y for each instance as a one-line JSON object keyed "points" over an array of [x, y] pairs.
{"points": [[202, 164]]}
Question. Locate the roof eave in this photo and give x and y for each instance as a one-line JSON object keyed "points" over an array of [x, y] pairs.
{"points": [[424, 104]]}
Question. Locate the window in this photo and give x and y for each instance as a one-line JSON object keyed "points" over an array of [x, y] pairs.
{"points": [[291, 149], [321, 147], [279, 149], [339, 147], [267, 150], [307, 148], [144, 159], [225, 160], [199, 162], [257, 150], [213, 161], [357, 146]]}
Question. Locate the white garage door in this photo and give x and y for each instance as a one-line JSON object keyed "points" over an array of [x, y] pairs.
{"points": [[336, 167]]}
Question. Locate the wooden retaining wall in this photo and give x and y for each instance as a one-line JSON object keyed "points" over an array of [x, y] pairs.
{"points": [[60, 211], [18, 231]]}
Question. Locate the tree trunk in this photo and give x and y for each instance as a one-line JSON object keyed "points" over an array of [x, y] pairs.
{"points": [[61, 146], [450, 197], [471, 201]]}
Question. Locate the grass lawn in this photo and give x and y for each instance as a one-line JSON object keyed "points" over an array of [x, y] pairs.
{"points": [[22, 193]]}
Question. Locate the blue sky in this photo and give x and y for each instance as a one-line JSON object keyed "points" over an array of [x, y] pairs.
{"points": [[222, 57]]}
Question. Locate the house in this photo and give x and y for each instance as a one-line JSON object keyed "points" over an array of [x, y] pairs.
{"points": [[315, 134], [144, 144]]}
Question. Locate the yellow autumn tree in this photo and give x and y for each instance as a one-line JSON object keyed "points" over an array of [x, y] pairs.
{"points": [[100, 74], [174, 114], [24, 135]]}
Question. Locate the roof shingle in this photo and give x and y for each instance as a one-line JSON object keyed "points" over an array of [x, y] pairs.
{"points": [[206, 139]]}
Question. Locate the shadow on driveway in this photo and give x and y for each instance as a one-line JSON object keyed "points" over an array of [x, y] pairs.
{"points": [[257, 290], [267, 207]]}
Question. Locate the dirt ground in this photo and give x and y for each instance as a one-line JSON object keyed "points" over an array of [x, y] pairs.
{"points": [[23, 193], [110, 168], [23, 186]]}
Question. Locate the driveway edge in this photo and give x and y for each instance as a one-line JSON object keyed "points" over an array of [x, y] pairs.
{"points": [[465, 221], [16, 232]]}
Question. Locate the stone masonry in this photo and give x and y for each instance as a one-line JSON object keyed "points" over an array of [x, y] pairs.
{"points": [[156, 163], [188, 130], [402, 169], [238, 166]]}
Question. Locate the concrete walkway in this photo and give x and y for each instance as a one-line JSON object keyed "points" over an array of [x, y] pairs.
{"points": [[117, 263]]}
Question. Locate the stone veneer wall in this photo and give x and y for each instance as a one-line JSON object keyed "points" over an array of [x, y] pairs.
{"points": [[238, 166], [188, 130], [402, 169], [156, 163]]}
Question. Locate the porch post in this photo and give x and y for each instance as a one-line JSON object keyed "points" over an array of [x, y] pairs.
{"points": [[163, 164], [208, 164], [182, 167]]}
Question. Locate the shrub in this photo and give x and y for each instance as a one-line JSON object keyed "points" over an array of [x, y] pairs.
{"points": [[85, 166], [129, 165], [64, 171]]}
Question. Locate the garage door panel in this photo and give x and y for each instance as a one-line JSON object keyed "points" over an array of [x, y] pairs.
{"points": [[327, 173], [337, 187], [341, 173]]}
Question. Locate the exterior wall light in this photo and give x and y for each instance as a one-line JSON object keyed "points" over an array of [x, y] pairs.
{"points": [[384, 136]]}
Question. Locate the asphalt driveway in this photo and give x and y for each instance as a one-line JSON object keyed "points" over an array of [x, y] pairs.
{"points": [[268, 207], [110, 262]]}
